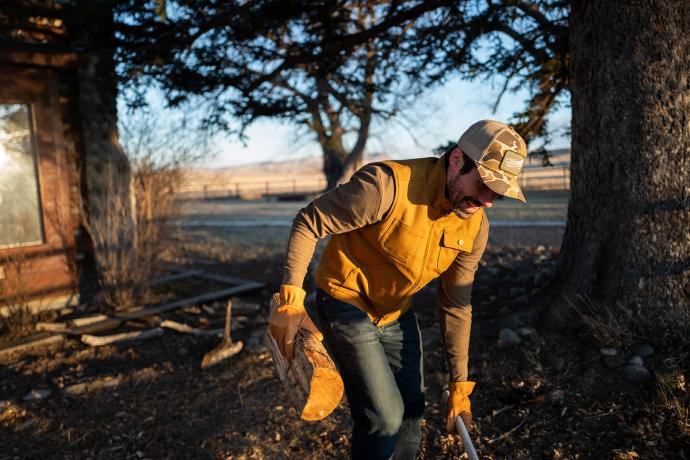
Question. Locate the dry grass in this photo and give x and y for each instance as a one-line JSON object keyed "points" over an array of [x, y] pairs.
{"points": [[620, 325], [14, 289], [674, 397], [130, 232], [617, 326], [608, 325], [129, 222]]}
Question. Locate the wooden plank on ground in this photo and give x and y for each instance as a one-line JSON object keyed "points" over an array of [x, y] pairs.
{"points": [[112, 323], [34, 341], [98, 341], [100, 326], [187, 329], [79, 322], [46, 326], [175, 277], [230, 280]]}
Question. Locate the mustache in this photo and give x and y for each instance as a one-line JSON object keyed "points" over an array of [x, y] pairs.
{"points": [[470, 201], [474, 202]]}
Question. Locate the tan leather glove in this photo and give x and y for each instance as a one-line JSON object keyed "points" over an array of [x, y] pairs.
{"points": [[459, 404], [288, 318]]}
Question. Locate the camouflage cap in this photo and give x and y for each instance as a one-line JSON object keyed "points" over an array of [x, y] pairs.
{"points": [[499, 152]]}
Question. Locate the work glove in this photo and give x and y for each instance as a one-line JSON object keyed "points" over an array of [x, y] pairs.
{"points": [[288, 318], [459, 404]]}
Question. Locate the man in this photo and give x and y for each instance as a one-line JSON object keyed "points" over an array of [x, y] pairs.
{"points": [[394, 227]]}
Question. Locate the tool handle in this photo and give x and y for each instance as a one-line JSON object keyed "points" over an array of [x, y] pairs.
{"points": [[466, 440]]}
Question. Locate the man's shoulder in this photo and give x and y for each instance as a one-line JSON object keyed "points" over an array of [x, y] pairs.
{"points": [[407, 168]]}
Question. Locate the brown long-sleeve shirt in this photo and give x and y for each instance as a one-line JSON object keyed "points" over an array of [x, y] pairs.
{"points": [[364, 200]]}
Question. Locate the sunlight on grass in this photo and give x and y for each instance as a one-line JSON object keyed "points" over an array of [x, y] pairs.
{"points": [[541, 205]]}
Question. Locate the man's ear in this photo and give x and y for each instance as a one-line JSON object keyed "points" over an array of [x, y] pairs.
{"points": [[456, 158]]}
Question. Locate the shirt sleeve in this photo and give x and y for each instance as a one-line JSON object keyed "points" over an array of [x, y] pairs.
{"points": [[454, 303], [363, 200]]}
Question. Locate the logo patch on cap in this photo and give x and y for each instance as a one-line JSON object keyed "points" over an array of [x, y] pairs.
{"points": [[512, 162]]}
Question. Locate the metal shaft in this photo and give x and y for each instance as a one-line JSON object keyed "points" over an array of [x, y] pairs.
{"points": [[466, 441]]}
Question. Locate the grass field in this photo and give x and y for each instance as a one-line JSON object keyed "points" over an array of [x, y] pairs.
{"points": [[550, 205], [238, 229], [541, 205]]}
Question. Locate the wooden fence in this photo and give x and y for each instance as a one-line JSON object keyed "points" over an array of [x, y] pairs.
{"points": [[532, 178]]}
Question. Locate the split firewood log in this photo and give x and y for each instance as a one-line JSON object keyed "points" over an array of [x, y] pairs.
{"points": [[311, 378]]}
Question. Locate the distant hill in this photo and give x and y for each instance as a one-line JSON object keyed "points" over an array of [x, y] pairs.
{"points": [[259, 178], [254, 178]]}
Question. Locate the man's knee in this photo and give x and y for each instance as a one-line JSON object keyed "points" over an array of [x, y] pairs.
{"points": [[387, 422]]}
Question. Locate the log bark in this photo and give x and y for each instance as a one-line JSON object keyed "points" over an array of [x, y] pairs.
{"points": [[311, 378], [627, 243]]}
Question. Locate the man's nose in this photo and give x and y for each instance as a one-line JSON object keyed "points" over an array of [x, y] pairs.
{"points": [[487, 197]]}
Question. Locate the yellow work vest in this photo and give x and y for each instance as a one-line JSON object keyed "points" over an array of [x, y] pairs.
{"points": [[378, 268]]}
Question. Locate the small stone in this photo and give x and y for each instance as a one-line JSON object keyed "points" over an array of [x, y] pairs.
{"points": [[35, 395], [637, 373], [636, 360], [555, 362], [613, 362], [608, 351], [643, 350], [526, 330], [508, 338], [661, 362], [76, 389]]}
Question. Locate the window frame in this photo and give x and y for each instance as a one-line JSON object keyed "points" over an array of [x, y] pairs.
{"points": [[33, 127]]}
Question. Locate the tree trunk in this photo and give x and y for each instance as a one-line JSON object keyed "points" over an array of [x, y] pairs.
{"points": [[333, 165], [338, 165], [627, 239]]}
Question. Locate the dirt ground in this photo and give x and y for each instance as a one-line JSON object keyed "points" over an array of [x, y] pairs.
{"points": [[550, 396]]}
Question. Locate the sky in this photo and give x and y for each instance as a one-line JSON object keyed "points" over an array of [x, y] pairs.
{"points": [[440, 115]]}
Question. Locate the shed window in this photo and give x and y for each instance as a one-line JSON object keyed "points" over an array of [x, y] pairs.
{"points": [[20, 208]]}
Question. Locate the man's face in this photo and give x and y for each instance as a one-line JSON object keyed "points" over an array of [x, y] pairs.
{"points": [[467, 192]]}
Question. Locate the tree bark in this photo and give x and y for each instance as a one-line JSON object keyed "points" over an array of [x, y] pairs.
{"points": [[627, 238], [339, 165]]}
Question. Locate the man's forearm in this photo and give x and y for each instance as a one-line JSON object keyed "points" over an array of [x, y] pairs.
{"points": [[300, 250], [456, 323]]}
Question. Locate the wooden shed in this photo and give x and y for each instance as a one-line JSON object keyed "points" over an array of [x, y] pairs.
{"points": [[58, 134]]}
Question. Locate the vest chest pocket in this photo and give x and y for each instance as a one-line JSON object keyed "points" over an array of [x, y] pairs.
{"points": [[403, 242], [450, 246]]}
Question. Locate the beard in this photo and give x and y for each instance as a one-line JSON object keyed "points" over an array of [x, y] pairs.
{"points": [[465, 207]]}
